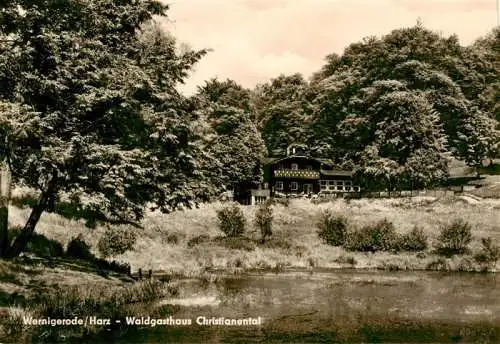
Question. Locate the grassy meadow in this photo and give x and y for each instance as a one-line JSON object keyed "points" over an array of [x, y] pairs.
{"points": [[190, 243]]}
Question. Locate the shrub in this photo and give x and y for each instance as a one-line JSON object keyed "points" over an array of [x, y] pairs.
{"points": [[44, 247], [378, 237], [332, 228], [359, 240], [116, 241], [414, 241], [78, 248], [346, 260], [173, 239], [489, 254], [231, 221], [264, 220], [454, 238], [438, 265], [466, 264]]}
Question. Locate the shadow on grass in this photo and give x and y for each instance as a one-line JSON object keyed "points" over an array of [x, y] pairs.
{"points": [[243, 243], [9, 299], [50, 253], [69, 211]]}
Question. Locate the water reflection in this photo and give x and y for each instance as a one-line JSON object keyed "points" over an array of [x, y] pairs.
{"points": [[347, 305]]}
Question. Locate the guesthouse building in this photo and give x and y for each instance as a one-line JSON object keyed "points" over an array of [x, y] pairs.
{"points": [[299, 174]]}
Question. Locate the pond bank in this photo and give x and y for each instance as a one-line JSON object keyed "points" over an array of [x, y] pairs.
{"points": [[345, 306]]}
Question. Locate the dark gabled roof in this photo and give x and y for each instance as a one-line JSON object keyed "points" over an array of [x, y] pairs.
{"points": [[278, 152], [270, 160], [325, 161]]}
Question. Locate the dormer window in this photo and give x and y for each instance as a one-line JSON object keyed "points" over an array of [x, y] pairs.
{"points": [[295, 149], [295, 167]]}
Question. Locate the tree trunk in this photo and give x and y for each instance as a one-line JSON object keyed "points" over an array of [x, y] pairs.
{"points": [[24, 237], [5, 182]]}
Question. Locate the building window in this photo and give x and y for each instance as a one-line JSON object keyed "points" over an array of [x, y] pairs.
{"points": [[308, 188], [348, 185], [294, 186], [295, 166], [331, 185], [340, 185], [356, 188], [260, 199], [322, 184], [266, 186], [279, 185]]}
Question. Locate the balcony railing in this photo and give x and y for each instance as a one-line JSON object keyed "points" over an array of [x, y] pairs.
{"points": [[302, 174]]}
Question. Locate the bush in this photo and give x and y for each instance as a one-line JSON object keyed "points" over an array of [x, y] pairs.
{"points": [[359, 240], [414, 241], [346, 260], [173, 239], [44, 247], [489, 254], [379, 237], [116, 241], [455, 238], [231, 221], [78, 248], [264, 220], [332, 228], [439, 265]]}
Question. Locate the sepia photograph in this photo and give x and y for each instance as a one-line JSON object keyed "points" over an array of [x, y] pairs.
{"points": [[249, 171]]}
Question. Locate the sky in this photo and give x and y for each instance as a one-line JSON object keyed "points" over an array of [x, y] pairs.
{"points": [[256, 40]]}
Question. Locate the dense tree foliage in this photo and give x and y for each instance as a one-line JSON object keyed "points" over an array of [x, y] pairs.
{"points": [[92, 111], [484, 60], [231, 136], [283, 110], [394, 107]]}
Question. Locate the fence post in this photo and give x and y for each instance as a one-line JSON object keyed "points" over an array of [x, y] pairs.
{"points": [[140, 273], [150, 273]]}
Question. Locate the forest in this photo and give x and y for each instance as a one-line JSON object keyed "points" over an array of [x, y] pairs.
{"points": [[91, 114]]}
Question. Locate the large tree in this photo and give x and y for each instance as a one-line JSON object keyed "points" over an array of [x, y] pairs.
{"points": [[93, 111], [231, 137], [419, 64], [283, 110]]}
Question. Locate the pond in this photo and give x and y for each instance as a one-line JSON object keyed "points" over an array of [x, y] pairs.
{"points": [[333, 306]]}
